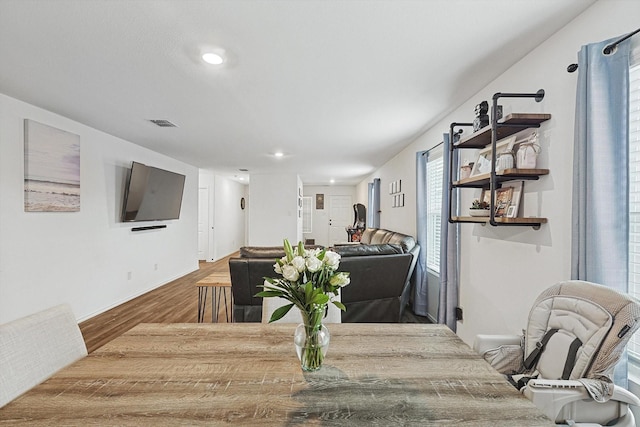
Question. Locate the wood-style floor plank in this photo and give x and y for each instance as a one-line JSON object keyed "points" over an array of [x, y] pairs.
{"points": [[175, 302]]}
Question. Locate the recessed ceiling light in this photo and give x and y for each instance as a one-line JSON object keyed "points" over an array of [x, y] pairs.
{"points": [[332, 180], [278, 154], [213, 58]]}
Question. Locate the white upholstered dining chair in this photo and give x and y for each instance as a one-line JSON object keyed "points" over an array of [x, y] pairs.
{"points": [[35, 347]]}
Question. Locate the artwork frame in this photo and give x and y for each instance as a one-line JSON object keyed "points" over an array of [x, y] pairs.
{"points": [[482, 164], [51, 169], [319, 201], [503, 200], [516, 197]]}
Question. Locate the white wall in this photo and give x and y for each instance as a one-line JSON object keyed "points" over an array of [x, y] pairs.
{"points": [[503, 269], [84, 258], [273, 210], [320, 217]]}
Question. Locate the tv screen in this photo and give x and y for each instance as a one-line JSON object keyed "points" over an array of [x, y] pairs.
{"points": [[152, 194]]}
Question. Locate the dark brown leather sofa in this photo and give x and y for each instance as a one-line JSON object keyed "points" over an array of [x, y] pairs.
{"points": [[380, 267]]}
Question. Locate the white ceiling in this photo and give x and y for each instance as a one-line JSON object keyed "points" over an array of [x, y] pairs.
{"points": [[339, 86]]}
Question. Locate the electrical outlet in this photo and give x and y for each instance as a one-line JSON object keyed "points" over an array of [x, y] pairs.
{"points": [[459, 313], [155, 266], [129, 275]]}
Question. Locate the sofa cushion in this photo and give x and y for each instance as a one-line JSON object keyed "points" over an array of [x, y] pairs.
{"points": [[381, 236], [363, 250], [376, 236], [406, 242]]}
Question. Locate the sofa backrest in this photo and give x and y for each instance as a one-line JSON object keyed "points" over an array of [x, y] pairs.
{"points": [[377, 285], [271, 252], [246, 275]]}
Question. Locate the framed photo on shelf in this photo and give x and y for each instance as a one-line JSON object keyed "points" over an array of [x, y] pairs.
{"points": [[516, 197], [503, 200], [485, 196], [483, 163]]}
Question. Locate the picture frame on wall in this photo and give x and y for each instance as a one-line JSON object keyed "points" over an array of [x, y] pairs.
{"points": [[51, 169], [319, 201]]}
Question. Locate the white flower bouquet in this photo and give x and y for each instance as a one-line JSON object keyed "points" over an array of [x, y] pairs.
{"points": [[309, 281]]}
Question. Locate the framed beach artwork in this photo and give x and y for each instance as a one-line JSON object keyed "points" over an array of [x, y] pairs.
{"points": [[51, 169]]}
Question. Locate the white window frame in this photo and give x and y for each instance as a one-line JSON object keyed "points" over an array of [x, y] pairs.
{"points": [[434, 188], [307, 214], [634, 201]]}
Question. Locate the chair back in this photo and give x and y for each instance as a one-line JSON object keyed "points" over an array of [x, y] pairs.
{"points": [[579, 329], [35, 347]]}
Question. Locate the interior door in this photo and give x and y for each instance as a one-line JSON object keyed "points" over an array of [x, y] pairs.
{"points": [[340, 216], [203, 223]]}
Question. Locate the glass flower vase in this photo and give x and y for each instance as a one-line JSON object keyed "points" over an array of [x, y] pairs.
{"points": [[311, 339]]}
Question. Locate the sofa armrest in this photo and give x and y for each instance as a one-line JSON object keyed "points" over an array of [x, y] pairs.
{"points": [[482, 343]]}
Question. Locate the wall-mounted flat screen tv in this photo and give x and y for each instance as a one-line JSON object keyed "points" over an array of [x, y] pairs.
{"points": [[152, 194]]}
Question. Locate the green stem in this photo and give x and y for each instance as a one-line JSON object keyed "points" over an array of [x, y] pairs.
{"points": [[312, 356]]}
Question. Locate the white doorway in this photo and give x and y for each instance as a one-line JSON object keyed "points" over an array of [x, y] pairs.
{"points": [[340, 217]]}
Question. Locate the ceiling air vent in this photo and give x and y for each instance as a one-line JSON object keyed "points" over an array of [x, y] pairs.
{"points": [[163, 123]]}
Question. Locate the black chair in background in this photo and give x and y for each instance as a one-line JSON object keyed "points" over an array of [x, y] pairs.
{"points": [[359, 222]]}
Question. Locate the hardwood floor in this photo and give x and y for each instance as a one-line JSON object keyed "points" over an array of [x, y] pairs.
{"points": [[175, 302]]}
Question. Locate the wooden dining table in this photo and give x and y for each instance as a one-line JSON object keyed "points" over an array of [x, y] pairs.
{"points": [[249, 374]]}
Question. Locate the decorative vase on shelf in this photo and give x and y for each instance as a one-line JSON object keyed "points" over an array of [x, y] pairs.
{"points": [[311, 339]]}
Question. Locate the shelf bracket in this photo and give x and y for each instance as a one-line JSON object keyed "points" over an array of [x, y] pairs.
{"points": [[452, 141]]}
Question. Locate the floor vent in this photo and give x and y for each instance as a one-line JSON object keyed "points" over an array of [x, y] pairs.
{"points": [[163, 123]]}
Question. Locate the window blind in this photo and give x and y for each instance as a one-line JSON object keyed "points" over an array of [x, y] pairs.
{"points": [[634, 195], [435, 171], [307, 215]]}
